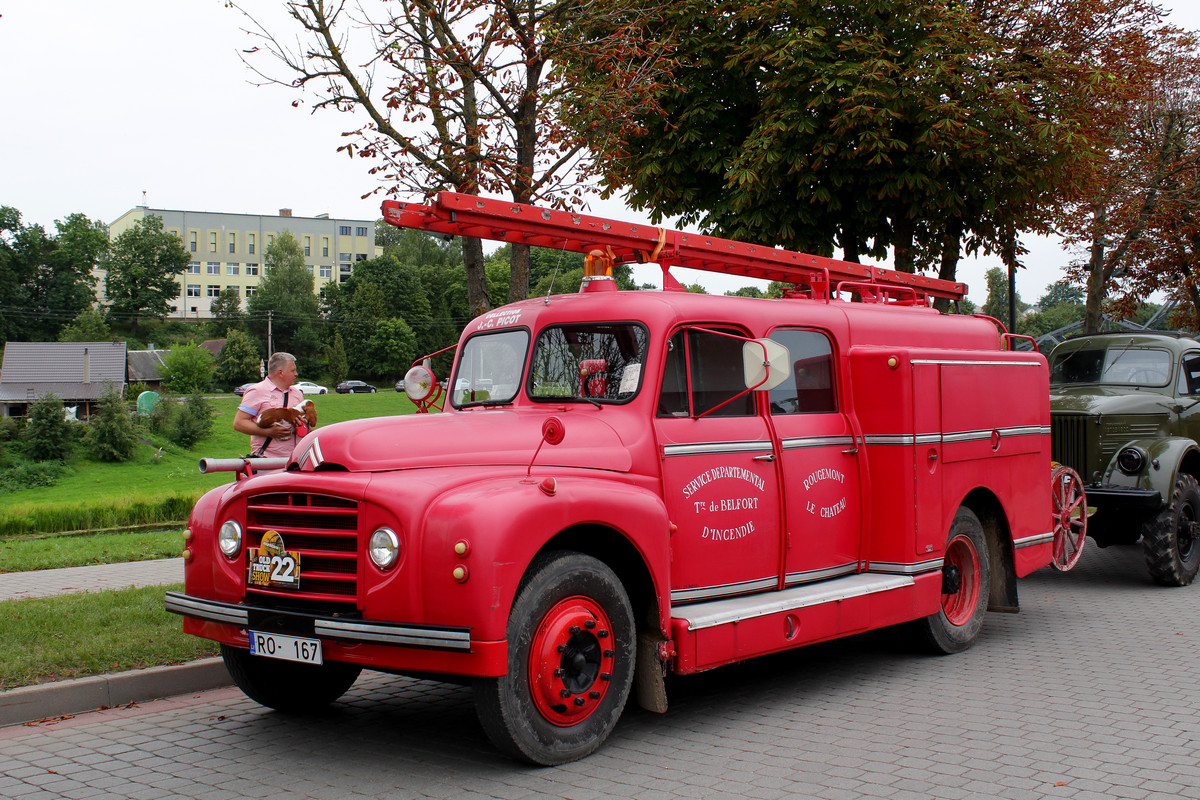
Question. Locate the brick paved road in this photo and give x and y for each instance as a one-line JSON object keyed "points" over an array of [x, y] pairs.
{"points": [[1091, 692]]}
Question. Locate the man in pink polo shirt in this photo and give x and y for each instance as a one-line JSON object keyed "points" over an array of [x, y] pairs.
{"points": [[274, 391]]}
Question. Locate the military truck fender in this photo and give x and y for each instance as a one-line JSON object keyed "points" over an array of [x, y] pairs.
{"points": [[495, 529], [1160, 467]]}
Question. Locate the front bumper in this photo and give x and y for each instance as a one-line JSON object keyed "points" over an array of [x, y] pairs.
{"points": [[1112, 498], [378, 645]]}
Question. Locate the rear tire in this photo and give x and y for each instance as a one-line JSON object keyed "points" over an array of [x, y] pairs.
{"points": [[1169, 538], [286, 685], [966, 584], [571, 646]]}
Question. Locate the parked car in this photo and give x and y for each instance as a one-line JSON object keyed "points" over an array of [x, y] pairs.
{"points": [[241, 390], [308, 387], [1125, 415], [400, 385], [353, 387]]}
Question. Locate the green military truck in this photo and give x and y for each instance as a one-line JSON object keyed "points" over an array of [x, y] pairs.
{"points": [[1125, 415]]}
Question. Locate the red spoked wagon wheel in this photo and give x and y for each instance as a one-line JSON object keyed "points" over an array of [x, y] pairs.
{"points": [[1070, 517]]}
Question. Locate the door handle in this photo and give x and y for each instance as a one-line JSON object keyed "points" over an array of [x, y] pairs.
{"points": [[767, 457]]}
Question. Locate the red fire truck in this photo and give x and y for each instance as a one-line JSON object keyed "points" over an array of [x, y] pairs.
{"points": [[623, 485]]}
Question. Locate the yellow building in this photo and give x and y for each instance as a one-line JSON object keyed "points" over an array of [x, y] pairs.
{"points": [[227, 250]]}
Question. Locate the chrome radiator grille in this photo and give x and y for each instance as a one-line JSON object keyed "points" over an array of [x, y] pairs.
{"points": [[323, 529]]}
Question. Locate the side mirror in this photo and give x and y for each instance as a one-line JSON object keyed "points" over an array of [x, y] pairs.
{"points": [[766, 364]]}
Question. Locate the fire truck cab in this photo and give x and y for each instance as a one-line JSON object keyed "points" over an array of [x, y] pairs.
{"points": [[623, 485]]}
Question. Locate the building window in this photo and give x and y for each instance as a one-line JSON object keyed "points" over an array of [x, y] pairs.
{"points": [[270, 240], [326, 271], [309, 267], [250, 243], [234, 289], [325, 246], [361, 231], [308, 245], [231, 268], [233, 242], [213, 291], [193, 268], [192, 243], [343, 278], [193, 290], [252, 269], [250, 290], [344, 230], [345, 268], [212, 242], [360, 257], [214, 267], [343, 256]]}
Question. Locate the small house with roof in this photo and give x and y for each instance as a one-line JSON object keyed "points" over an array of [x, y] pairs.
{"points": [[77, 372]]}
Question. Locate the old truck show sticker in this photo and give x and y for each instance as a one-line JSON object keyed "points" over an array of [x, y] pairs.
{"points": [[272, 565]]}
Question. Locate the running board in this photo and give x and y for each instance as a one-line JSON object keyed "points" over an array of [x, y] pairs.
{"points": [[717, 632]]}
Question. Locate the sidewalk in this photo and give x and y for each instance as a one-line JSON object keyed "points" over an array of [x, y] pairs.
{"points": [[60, 698]]}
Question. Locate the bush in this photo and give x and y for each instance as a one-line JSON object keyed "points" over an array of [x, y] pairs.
{"points": [[183, 423], [48, 435], [26, 475], [113, 437]]}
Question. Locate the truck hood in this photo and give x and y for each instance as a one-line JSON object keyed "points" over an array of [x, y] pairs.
{"points": [[1093, 399], [471, 438]]}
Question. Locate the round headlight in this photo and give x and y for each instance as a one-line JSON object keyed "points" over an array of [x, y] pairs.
{"points": [[230, 538], [419, 383], [384, 547], [1131, 460]]}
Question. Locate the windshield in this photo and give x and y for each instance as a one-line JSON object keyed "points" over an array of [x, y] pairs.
{"points": [[489, 369], [1127, 366], [593, 363]]}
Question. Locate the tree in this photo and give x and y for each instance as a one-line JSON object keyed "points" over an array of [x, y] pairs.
{"points": [[285, 304], [996, 304], [187, 369], [45, 280], [227, 309], [48, 435], [923, 128], [113, 437], [238, 361], [88, 326], [142, 266], [335, 359], [392, 347], [458, 95]]}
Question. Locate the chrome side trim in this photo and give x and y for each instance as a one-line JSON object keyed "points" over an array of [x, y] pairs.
{"points": [[714, 448], [211, 610], [1033, 541], [723, 590], [953, 361], [724, 612], [442, 639], [901, 568], [817, 441], [794, 578], [902, 438]]}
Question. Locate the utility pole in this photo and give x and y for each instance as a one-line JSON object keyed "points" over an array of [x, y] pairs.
{"points": [[270, 343]]}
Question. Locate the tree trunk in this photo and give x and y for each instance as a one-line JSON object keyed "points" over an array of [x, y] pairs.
{"points": [[477, 296], [948, 268], [902, 238], [1096, 278], [518, 276]]}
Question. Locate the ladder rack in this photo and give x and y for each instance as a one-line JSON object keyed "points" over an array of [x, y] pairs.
{"points": [[628, 243]]}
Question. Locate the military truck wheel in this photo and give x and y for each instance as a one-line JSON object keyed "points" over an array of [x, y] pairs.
{"points": [[1169, 538], [966, 582], [571, 646], [286, 685]]}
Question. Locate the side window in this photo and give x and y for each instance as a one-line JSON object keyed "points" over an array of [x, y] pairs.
{"points": [[811, 389], [1189, 375], [711, 365]]}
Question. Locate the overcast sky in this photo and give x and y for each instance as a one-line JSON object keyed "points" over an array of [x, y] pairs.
{"points": [[105, 101]]}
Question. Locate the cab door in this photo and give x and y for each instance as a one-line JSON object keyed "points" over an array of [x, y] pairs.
{"points": [[719, 471], [820, 463]]}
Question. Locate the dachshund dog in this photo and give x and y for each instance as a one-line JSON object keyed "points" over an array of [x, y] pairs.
{"points": [[302, 417]]}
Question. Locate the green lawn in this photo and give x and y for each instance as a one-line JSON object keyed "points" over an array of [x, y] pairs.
{"points": [[161, 482]]}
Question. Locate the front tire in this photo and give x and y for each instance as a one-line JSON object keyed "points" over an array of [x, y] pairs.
{"points": [[1169, 538], [571, 647], [966, 584], [286, 685]]}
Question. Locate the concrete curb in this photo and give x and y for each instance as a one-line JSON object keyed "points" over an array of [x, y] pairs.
{"points": [[57, 699]]}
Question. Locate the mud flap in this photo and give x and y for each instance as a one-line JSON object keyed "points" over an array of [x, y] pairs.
{"points": [[649, 676]]}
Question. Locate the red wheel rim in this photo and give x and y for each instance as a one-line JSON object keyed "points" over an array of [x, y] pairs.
{"points": [[1070, 517], [962, 556], [571, 661]]}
